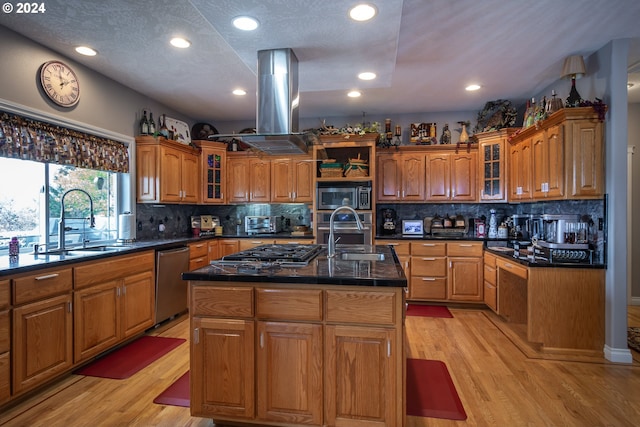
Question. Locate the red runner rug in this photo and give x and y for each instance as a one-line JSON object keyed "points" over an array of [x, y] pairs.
{"points": [[431, 392], [428, 310], [177, 394], [131, 358]]}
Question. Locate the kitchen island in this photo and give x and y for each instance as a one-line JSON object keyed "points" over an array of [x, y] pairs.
{"points": [[317, 344]]}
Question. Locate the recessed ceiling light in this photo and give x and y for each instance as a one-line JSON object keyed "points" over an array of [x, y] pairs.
{"points": [[354, 94], [245, 23], [180, 42], [86, 50], [239, 92], [367, 75], [472, 87], [362, 12]]}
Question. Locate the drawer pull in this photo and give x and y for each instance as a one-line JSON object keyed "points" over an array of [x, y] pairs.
{"points": [[428, 279], [508, 265], [429, 245], [47, 276], [465, 245], [428, 259]]}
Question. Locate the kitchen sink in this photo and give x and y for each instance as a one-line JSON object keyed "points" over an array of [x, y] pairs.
{"points": [[83, 251], [360, 256]]}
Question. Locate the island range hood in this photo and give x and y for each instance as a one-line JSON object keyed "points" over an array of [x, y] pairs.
{"points": [[277, 106]]}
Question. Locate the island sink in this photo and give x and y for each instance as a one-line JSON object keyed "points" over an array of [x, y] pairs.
{"points": [[359, 256]]}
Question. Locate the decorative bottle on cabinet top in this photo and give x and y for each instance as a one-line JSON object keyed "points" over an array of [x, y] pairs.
{"points": [[493, 224]]}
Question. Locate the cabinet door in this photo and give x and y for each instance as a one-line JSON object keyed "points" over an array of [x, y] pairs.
{"points": [[213, 178], [465, 279], [303, 190], [42, 341], [388, 177], [281, 181], [360, 379], [289, 372], [171, 175], [438, 177], [587, 158], [137, 303], [190, 178], [238, 180], [96, 320], [492, 171], [260, 180], [520, 163], [463, 176], [228, 246], [548, 163], [413, 177], [222, 368], [5, 377], [214, 250], [147, 173]]}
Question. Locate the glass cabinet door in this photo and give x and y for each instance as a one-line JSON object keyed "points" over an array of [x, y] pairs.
{"points": [[492, 171], [214, 170]]}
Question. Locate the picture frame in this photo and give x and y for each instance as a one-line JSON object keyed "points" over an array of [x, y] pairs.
{"points": [[412, 227]]}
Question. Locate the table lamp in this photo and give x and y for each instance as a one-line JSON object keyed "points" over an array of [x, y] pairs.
{"points": [[574, 68]]}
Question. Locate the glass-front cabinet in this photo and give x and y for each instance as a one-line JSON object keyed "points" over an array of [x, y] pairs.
{"points": [[213, 172], [492, 168]]}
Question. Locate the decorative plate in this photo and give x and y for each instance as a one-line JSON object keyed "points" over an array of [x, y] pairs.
{"points": [[179, 129]]}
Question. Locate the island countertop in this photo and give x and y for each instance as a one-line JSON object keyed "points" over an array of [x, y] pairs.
{"points": [[320, 270]]}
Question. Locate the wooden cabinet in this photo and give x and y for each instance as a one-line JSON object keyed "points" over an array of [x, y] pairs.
{"points": [[42, 327], [291, 354], [292, 180], [114, 300], [428, 271], [198, 255], [561, 158], [490, 282], [464, 276], [213, 249], [451, 176], [400, 177], [492, 165], [166, 171], [213, 168], [248, 179], [5, 341], [245, 244], [403, 251], [228, 246]]}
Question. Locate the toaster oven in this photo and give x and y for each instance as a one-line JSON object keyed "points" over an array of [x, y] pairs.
{"points": [[261, 224]]}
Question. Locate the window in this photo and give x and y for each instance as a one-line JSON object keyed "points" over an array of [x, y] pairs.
{"points": [[30, 204]]}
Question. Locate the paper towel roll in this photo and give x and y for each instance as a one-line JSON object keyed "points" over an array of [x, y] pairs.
{"points": [[126, 227]]}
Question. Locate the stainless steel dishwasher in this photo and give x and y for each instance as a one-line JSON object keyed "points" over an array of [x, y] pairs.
{"points": [[171, 290]]}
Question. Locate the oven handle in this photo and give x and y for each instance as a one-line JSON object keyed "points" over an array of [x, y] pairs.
{"points": [[343, 228]]}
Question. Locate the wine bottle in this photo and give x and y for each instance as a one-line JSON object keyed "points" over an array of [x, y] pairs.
{"points": [[152, 124], [163, 126], [144, 124]]}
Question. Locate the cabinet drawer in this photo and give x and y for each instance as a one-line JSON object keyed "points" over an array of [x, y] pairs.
{"points": [[465, 249], [490, 274], [429, 249], [376, 308], [200, 249], [4, 331], [401, 248], [491, 296], [5, 299], [490, 259], [221, 301], [42, 285], [428, 266], [100, 271], [289, 304], [512, 267], [428, 288]]}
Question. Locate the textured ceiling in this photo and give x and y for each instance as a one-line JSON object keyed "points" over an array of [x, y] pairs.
{"points": [[424, 51]]}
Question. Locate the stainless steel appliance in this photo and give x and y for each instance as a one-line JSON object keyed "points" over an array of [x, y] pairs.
{"points": [[388, 221], [356, 195], [345, 228], [261, 224], [171, 290], [526, 227], [268, 258], [556, 227]]}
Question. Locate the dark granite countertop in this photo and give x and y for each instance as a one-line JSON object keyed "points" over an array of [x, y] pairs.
{"points": [[320, 270], [467, 237]]}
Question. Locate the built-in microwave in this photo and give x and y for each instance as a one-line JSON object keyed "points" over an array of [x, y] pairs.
{"points": [[331, 195]]}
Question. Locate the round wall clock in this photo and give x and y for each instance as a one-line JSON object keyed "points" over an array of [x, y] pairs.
{"points": [[60, 83]]}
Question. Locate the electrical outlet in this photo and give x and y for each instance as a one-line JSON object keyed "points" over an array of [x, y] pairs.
{"points": [[600, 224]]}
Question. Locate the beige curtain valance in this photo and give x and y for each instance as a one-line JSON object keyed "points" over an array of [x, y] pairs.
{"points": [[28, 139]]}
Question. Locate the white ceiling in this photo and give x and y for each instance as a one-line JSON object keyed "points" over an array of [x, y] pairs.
{"points": [[424, 51]]}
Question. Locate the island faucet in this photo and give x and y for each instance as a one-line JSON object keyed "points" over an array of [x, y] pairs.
{"points": [[61, 224], [331, 248]]}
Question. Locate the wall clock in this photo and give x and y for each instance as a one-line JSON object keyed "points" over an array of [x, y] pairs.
{"points": [[60, 83]]}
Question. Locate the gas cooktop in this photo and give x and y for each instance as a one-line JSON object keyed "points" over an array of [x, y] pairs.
{"points": [[280, 254]]}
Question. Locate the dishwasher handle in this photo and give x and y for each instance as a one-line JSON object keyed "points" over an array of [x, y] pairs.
{"points": [[173, 251]]}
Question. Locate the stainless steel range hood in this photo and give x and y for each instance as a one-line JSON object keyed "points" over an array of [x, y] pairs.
{"points": [[277, 106]]}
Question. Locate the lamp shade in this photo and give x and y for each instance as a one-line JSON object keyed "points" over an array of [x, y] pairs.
{"points": [[573, 67]]}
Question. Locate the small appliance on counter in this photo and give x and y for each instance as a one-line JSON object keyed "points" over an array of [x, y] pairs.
{"points": [[449, 226], [261, 225], [565, 239], [204, 225], [388, 221]]}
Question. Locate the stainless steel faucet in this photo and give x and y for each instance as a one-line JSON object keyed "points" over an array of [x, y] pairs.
{"points": [[61, 225], [331, 248]]}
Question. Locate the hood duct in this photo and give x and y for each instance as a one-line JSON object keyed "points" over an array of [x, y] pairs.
{"points": [[277, 105]]}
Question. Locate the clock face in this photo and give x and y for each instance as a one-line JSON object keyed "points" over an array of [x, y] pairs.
{"points": [[60, 83]]}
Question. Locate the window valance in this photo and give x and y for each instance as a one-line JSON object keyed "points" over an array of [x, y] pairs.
{"points": [[28, 139]]}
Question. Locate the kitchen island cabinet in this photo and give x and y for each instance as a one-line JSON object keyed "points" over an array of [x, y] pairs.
{"points": [[267, 332]]}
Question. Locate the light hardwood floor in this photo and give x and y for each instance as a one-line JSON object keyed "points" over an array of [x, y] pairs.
{"points": [[499, 385]]}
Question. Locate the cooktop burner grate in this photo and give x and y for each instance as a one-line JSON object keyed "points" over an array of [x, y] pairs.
{"points": [[279, 253]]}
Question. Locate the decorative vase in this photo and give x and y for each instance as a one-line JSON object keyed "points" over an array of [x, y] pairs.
{"points": [[493, 224]]}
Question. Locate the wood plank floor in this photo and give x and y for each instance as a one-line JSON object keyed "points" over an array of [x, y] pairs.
{"points": [[499, 385]]}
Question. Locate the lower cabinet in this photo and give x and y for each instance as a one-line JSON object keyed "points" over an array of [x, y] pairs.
{"points": [[490, 282], [198, 255], [5, 341]]}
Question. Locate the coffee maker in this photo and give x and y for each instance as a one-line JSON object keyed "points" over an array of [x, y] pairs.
{"points": [[562, 231], [527, 227], [389, 221]]}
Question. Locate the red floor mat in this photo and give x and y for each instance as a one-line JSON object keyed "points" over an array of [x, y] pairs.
{"points": [[428, 310], [131, 358], [431, 392], [177, 394]]}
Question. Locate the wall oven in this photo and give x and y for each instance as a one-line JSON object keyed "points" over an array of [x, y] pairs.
{"points": [[345, 228]]}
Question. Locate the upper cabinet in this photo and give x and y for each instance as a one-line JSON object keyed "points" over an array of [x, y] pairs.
{"points": [[400, 176], [292, 180], [561, 158], [343, 148], [213, 168], [167, 171], [248, 178], [492, 165]]}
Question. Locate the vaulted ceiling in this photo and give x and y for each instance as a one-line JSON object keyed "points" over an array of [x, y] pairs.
{"points": [[424, 52]]}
